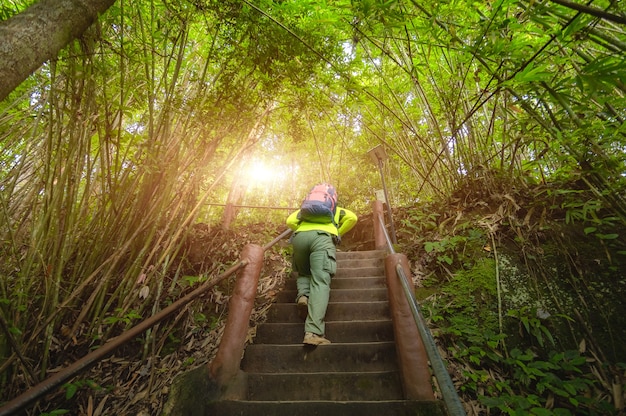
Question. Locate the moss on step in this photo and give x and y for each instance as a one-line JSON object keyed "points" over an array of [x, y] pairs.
{"points": [[192, 392]]}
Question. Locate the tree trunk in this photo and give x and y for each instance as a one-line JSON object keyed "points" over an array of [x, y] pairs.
{"points": [[32, 37], [235, 197]]}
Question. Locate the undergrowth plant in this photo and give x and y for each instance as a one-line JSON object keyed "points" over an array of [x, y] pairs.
{"points": [[531, 379], [509, 361]]}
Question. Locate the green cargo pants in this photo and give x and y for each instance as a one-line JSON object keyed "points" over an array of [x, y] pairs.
{"points": [[314, 258]]}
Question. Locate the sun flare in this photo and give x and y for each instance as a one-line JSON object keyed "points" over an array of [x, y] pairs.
{"points": [[259, 172]]}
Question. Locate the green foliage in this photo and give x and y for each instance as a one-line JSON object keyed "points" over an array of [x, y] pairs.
{"points": [[127, 318], [526, 369], [73, 387], [110, 151], [199, 317], [532, 325], [472, 293], [562, 384], [440, 248], [55, 412], [420, 221], [461, 248], [193, 280], [525, 384]]}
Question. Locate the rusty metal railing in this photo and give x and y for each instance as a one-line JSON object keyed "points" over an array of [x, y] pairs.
{"points": [[83, 364], [448, 392]]}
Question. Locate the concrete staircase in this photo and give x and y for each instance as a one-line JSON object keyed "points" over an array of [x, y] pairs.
{"points": [[358, 374]]}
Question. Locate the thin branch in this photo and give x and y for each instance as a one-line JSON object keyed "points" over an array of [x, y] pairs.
{"points": [[591, 11]]}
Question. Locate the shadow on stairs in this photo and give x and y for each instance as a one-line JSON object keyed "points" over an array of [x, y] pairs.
{"points": [[358, 374]]}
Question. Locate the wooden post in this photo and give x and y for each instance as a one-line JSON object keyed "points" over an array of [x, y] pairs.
{"points": [[380, 242], [225, 365], [412, 357]]}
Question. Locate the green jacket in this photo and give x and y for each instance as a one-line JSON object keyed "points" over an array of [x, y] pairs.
{"points": [[344, 218]]}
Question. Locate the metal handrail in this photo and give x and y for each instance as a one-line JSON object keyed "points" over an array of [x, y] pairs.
{"points": [[277, 239], [83, 364], [448, 392]]}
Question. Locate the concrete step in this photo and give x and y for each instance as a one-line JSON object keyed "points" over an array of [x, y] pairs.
{"points": [[336, 311], [347, 282], [327, 408], [368, 254], [374, 385], [375, 271], [332, 358], [366, 262], [358, 283], [357, 374], [337, 332], [340, 295]]}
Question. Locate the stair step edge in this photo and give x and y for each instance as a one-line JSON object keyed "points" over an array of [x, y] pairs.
{"points": [[331, 408]]}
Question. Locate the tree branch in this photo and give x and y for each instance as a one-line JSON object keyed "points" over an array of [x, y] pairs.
{"points": [[591, 10]]}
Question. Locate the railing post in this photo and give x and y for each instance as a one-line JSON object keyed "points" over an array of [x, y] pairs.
{"points": [[412, 357], [380, 241], [192, 391], [225, 365]]}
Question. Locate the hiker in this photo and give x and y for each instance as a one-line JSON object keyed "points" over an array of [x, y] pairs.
{"points": [[318, 226]]}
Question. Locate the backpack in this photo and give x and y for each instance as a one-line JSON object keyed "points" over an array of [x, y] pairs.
{"points": [[320, 205]]}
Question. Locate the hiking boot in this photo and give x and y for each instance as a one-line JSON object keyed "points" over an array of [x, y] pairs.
{"points": [[303, 306], [314, 339]]}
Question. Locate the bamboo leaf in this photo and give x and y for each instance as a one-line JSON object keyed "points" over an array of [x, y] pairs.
{"points": [[532, 74]]}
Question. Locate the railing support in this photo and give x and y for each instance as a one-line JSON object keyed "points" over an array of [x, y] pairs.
{"points": [[412, 357], [448, 391], [192, 391], [380, 239], [225, 366]]}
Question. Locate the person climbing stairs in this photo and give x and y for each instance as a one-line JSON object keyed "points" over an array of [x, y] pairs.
{"points": [[357, 374]]}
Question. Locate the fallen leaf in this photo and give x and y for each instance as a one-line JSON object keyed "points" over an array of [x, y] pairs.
{"points": [[144, 292]]}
